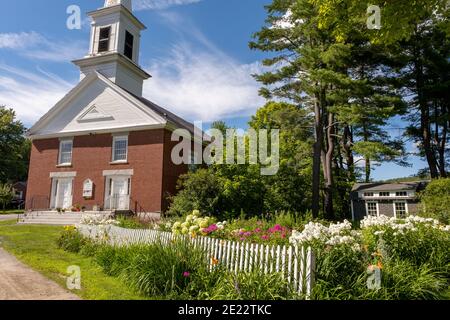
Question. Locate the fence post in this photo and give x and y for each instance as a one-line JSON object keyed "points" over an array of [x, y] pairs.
{"points": [[310, 276]]}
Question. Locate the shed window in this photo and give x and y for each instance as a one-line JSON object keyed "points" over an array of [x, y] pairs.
{"points": [[372, 208], [384, 194], [401, 194], [368, 194], [400, 209], [103, 43]]}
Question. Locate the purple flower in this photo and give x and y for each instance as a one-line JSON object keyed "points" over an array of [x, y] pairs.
{"points": [[247, 234], [186, 274]]}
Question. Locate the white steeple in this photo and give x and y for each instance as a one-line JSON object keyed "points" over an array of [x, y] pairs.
{"points": [[114, 48], [125, 3]]}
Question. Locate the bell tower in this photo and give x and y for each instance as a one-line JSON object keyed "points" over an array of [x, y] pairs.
{"points": [[114, 46]]}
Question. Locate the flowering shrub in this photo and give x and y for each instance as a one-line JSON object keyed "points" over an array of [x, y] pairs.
{"points": [[194, 225], [70, 240], [344, 255], [97, 219], [274, 235], [316, 234]]}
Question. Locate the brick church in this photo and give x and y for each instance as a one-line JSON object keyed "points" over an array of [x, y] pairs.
{"points": [[105, 147]]}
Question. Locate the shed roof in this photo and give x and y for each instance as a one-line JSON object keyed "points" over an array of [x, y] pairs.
{"points": [[379, 186]]}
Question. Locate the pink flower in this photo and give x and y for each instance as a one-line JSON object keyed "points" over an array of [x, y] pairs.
{"points": [[247, 234], [210, 229], [265, 237], [257, 230], [186, 274]]}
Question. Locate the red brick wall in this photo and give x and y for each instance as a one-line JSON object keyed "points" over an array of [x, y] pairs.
{"points": [[171, 171], [92, 155]]}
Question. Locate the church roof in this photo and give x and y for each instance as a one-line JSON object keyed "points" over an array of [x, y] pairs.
{"points": [[171, 117]]}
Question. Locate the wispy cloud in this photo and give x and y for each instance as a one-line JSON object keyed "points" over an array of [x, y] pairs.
{"points": [[199, 81], [160, 4], [35, 46], [30, 94]]}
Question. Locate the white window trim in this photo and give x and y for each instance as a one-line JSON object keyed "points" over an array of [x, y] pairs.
{"points": [[367, 207], [61, 142], [115, 138], [406, 207]]}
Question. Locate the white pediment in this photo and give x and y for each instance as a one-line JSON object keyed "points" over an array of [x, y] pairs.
{"points": [[94, 114], [95, 105]]}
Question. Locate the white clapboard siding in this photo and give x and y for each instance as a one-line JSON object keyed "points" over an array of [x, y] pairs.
{"points": [[296, 264]]}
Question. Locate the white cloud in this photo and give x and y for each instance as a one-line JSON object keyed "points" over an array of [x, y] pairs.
{"points": [[198, 80], [19, 40], [35, 46], [160, 4], [31, 95], [201, 85]]}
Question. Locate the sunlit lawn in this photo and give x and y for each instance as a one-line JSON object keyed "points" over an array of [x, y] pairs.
{"points": [[36, 247]]}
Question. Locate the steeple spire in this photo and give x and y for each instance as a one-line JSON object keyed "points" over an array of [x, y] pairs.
{"points": [[115, 43], [126, 3]]}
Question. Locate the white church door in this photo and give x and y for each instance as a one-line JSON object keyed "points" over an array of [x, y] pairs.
{"points": [[63, 197], [119, 195]]}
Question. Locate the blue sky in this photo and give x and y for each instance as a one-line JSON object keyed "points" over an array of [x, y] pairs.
{"points": [[196, 50]]}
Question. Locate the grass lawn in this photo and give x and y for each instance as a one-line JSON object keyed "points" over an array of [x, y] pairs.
{"points": [[11, 212], [36, 247]]}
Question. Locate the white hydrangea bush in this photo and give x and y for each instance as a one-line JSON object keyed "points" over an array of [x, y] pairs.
{"points": [[412, 223], [98, 220], [341, 234], [334, 235]]}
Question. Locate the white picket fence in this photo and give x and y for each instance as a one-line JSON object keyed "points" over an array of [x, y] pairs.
{"points": [[296, 264]]}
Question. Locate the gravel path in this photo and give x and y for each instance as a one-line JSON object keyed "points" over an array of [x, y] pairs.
{"points": [[19, 282]]}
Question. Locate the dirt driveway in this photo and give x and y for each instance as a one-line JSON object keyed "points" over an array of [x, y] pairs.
{"points": [[19, 282]]}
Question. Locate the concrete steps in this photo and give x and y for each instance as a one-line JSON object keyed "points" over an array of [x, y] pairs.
{"points": [[54, 218]]}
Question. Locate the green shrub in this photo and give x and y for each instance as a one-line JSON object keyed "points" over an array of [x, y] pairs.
{"points": [[89, 248], [435, 200], [160, 270], [401, 280], [130, 223], [114, 260], [251, 286], [200, 190], [70, 240]]}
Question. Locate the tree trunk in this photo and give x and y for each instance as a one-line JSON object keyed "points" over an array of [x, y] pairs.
{"points": [[318, 126], [328, 169], [347, 142], [367, 166], [424, 114], [442, 145]]}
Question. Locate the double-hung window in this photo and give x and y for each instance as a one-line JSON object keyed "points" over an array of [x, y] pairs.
{"points": [[120, 149], [65, 152], [372, 209], [400, 209]]}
